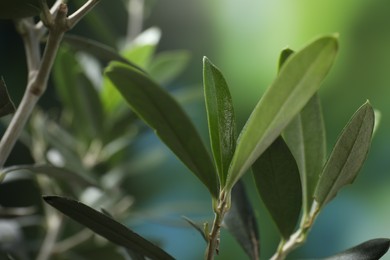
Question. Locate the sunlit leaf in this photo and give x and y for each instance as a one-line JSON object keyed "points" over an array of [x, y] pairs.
{"points": [[220, 115], [163, 114], [370, 250], [6, 105], [305, 136], [278, 183], [241, 222], [106, 227], [142, 49], [298, 80], [167, 65], [348, 155]]}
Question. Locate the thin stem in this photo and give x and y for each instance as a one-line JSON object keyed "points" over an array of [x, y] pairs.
{"points": [[81, 12], [214, 236], [299, 237]]}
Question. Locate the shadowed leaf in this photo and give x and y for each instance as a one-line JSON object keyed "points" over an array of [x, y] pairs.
{"points": [[241, 222], [277, 179], [299, 78], [220, 115], [197, 227], [106, 227], [348, 155], [370, 250], [163, 114]]}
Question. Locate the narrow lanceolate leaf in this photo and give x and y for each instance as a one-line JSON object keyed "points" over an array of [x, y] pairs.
{"points": [[298, 80], [284, 56], [106, 227], [305, 136], [277, 179], [370, 250], [220, 115], [162, 113], [6, 104], [241, 222], [348, 155]]}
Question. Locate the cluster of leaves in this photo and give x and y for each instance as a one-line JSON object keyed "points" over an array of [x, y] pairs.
{"points": [[283, 142]]}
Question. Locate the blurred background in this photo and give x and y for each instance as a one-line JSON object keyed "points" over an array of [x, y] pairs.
{"points": [[244, 39]]}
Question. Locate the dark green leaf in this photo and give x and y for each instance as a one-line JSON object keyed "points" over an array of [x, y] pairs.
{"points": [[348, 155], [6, 105], [370, 250], [241, 222], [305, 136], [298, 80], [162, 113], [167, 65], [220, 115], [106, 227], [277, 179]]}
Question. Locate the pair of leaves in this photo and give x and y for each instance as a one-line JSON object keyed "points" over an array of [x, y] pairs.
{"points": [[163, 114], [107, 227]]}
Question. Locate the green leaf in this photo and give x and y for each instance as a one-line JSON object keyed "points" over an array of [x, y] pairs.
{"points": [[305, 136], [6, 105], [106, 227], [167, 65], [220, 115], [240, 220], [142, 49], [278, 183], [163, 114], [348, 155], [370, 250], [197, 227], [298, 80]]}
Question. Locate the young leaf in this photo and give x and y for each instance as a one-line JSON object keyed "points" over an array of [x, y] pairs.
{"points": [[370, 250], [278, 183], [106, 227], [298, 80], [6, 104], [197, 227], [167, 65], [163, 114], [220, 115], [348, 155], [305, 136], [241, 222]]}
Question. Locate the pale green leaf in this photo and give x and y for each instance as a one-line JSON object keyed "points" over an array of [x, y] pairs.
{"points": [[220, 115], [305, 136], [163, 114], [298, 80], [167, 65], [348, 155], [278, 182]]}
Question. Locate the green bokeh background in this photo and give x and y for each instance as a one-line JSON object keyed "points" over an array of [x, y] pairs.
{"points": [[244, 39]]}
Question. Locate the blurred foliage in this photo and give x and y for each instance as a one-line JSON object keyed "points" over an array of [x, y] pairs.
{"points": [[244, 38]]}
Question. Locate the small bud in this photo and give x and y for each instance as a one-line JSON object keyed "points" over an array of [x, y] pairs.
{"points": [[16, 9]]}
